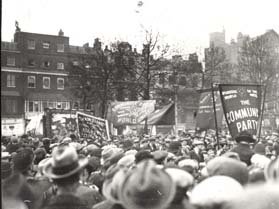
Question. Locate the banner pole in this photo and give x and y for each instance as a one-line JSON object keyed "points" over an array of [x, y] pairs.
{"points": [[262, 111], [215, 116]]}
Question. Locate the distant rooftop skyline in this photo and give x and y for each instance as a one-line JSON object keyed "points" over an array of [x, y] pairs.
{"points": [[185, 25]]}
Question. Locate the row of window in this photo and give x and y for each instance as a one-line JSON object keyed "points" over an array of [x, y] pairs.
{"points": [[39, 106], [32, 63], [31, 82], [31, 44]]}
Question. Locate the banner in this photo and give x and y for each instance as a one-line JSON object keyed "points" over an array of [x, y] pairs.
{"points": [[130, 112], [90, 127], [241, 105], [205, 115]]}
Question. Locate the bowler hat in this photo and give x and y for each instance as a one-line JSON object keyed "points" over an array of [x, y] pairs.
{"points": [[64, 163]]}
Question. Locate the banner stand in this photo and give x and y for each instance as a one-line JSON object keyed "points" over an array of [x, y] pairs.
{"points": [[215, 116], [262, 112]]}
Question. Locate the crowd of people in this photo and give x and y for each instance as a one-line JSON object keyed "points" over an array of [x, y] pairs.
{"points": [[149, 172]]}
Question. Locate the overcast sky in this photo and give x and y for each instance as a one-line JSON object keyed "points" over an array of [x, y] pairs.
{"points": [[184, 24]]}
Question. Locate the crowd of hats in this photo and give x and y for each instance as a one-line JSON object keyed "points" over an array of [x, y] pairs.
{"points": [[157, 172]]}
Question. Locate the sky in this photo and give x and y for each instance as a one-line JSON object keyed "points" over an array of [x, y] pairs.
{"points": [[183, 24]]}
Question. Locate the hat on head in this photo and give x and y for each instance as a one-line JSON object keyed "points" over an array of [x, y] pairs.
{"points": [[113, 181], [159, 154], [127, 161], [109, 153], [66, 140], [127, 144], [94, 163], [259, 149], [23, 159], [260, 160], [131, 152], [180, 177], [188, 163], [174, 146], [147, 187], [245, 136], [215, 190], [64, 163], [228, 167], [42, 164], [93, 150], [143, 155], [258, 196], [232, 155]]}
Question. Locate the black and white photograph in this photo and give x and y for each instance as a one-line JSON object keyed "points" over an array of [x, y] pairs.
{"points": [[140, 104]]}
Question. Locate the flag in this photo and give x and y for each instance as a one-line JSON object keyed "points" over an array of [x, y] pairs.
{"points": [[242, 107], [205, 115]]}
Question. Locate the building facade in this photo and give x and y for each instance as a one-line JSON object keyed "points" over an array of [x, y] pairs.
{"points": [[33, 77]]}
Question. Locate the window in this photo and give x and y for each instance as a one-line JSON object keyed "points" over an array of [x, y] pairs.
{"points": [[11, 80], [46, 64], [46, 45], [30, 106], [31, 63], [60, 47], [30, 44], [31, 82], [76, 105], [60, 83], [65, 105], [34, 106], [11, 106], [51, 104], [10, 61], [44, 105], [59, 105], [60, 66], [46, 82]]}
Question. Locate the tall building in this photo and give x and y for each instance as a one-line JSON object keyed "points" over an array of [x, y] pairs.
{"points": [[33, 77]]}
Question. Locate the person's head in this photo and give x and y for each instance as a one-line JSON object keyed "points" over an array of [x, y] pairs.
{"points": [[65, 165], [14, 139], [23, 160], [175, 147], [142, 155], [40, 154], [228, 167], [245, 137], [214, 192], [183, 181], [147, 186]]}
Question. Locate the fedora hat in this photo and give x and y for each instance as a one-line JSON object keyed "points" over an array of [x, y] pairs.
{"points": [[147, 187], [64, 163]]}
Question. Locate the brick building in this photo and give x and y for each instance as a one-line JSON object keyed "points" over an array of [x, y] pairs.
{"points": [[33, 77]]}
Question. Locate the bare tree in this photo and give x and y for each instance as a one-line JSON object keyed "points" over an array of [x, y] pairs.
{"points": [[258, 61], [149, 64], [215, 65]]}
